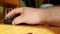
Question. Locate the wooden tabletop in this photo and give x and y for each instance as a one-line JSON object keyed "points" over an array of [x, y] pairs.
{"points": [[23, 29]]}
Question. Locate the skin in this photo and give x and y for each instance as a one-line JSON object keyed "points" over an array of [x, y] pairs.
{"points": [[36, 16]]}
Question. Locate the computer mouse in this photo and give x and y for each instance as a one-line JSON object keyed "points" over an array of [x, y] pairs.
{"points": [[9, 20]]}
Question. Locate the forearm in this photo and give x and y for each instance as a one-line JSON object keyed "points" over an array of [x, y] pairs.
{"points": [[52, 15]]}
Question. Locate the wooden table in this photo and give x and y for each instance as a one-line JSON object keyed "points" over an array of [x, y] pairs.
{"points": [[23, 29]]}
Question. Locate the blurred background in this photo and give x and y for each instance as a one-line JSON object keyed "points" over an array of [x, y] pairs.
{"points": [[8, 5]]}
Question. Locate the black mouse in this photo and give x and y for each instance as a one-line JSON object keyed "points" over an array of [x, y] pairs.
{"points": [[9, 20]]}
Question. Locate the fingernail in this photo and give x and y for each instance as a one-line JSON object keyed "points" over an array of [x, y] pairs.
{"points": [[8, 17], [5, 18], [13, 23]]}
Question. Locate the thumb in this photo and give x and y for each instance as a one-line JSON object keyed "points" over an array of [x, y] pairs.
{"points": [[18, 20]]}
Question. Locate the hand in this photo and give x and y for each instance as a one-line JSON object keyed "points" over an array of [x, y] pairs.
{"points": [[28, 16]]}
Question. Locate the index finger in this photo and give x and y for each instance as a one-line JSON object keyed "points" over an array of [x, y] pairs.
{"points": [[14, 12]]}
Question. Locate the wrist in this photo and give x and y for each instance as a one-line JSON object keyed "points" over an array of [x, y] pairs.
{"points": [[43, 15], [51, 16]]}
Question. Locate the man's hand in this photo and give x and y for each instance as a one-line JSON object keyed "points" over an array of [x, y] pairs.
{"points": [[36, 16], [28, 15]]}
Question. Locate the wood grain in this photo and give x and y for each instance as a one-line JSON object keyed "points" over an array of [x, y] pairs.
{"points": [[23, 29]]}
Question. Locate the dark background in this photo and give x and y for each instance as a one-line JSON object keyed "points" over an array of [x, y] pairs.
{"points": [[31, 3]]}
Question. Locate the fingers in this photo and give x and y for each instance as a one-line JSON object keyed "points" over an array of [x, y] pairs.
{"points": [[14, 12], [18, 20]]}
